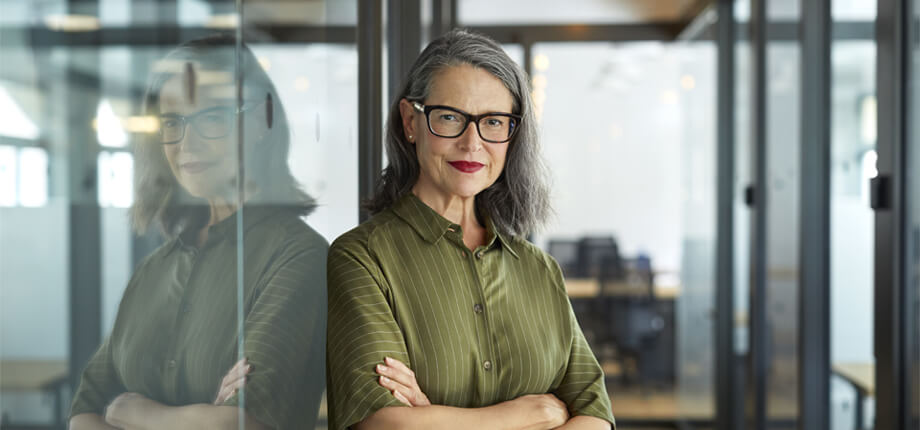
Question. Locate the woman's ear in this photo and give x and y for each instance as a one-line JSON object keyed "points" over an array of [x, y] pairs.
{"points": [[408, 115]]}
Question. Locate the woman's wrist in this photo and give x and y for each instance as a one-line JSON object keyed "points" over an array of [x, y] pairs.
{"points": [[131, 410]]}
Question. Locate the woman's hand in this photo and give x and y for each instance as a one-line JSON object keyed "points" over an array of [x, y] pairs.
{"points": [[400, 380], [233, 381], [547, 408], [125, 409]]}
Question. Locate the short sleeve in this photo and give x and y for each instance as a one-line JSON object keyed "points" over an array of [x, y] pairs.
{"points": [[362, 331], [582, 388], [284, 341], [99, 383]]}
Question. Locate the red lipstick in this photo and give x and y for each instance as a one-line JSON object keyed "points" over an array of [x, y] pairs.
{"points": [[466, 166]]}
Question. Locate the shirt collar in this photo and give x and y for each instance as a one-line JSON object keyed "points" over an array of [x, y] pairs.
{"points": [[431, 226], [226, 228]]}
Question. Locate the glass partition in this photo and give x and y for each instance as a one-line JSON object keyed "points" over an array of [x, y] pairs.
{"points": [[782, 189], [170, 177], [853, 157], [634, 192]]}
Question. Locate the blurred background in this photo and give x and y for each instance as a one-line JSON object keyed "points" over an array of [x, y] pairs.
{"points": [[737, 205]]}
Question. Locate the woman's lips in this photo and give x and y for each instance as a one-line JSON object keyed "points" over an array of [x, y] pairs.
{"points": [[466, 166], [195, 167]]}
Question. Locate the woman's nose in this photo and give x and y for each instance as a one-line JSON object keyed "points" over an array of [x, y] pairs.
{"points": [[470, 139]]}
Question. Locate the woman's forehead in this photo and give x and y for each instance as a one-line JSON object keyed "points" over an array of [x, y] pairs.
{"points": [[470, 88], [179, 91]]}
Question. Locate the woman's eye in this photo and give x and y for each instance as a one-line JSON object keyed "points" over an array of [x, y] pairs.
{"points": [[448, 117], [170, 123], [215, 118], [494, 122]]}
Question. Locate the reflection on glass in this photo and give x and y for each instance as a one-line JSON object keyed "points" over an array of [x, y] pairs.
{"points": [[230, 311], [853, 165]]}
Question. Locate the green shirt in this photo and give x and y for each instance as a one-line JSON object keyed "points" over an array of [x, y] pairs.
{"points": [[477, 328], [175, 335]]}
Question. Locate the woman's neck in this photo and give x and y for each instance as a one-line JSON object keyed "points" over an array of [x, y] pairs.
{"points": [[458, 210], [220, 210]]}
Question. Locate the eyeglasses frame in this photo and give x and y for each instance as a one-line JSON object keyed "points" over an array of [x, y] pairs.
{"points": [[426, 109], [188, 119]]}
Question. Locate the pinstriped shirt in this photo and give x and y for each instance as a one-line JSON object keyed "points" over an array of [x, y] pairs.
{"points": [[175, 335], [477, 327]]}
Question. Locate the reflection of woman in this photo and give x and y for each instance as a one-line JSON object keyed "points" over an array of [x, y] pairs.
{"points": [[168, 360], [440, 281]]}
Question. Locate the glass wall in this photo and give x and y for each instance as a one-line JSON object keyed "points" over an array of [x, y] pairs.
{"points": [[783, 66], [634, 191], [853, 157], [170, 178]]}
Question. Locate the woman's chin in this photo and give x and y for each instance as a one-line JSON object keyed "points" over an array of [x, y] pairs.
{"points": [[205, 191]]}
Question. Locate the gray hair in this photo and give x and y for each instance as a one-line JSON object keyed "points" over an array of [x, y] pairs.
{"points": [[518, 201], [159, 199]]}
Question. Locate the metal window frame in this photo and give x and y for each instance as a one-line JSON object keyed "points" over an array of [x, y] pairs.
{"points": [[894, 37], [755, 397], [726, 413], [814, 368], [370, 99]]}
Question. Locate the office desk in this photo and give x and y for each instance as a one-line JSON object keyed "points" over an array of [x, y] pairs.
{"points": [[590, 287], [862, 377], [582, 287], [45, 376], [30, 375]]}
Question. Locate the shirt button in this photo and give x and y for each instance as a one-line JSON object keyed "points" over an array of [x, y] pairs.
{"points": [[477, 308], [479, 254], [487, 365], [171, 364]]}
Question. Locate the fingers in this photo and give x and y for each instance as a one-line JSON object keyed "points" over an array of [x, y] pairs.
{"points": [[402, 398], [401, 392], [233, 381], [237, 367], [397, 372], [392, 362], [227, 391]]}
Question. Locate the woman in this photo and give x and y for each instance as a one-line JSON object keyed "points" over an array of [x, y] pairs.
{"points": [[169, 361], [437, 302]]}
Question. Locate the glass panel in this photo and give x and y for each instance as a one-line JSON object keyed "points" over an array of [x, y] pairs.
{"points": [[310, 119], [853, 141], [744, 177], [634, 196], [154, 266], [782, 217]]}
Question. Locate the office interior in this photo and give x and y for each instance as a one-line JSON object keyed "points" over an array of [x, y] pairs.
{"points": [[737, 203]]}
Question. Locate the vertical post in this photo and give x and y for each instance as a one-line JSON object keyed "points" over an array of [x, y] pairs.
{"points": [[404, 40], [725, 301], [756, 409], [370, 98], [443, 17], [891, 307], [814, 243], [84, 216]]}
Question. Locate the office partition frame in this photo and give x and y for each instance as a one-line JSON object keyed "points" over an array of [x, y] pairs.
{"points": [[727, 414], [814, 217], [893, 315]]}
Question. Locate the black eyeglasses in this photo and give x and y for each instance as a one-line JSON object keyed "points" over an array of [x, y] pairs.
{"points": [[212, 123], [449, 122]]}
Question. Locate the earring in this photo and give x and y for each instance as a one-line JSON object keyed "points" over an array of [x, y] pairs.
{"points": [[410, 138]]}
